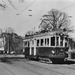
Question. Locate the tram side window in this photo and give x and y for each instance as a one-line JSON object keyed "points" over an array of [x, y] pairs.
{"points": [[52, 41], [26, 43], [42, 42], [47, 42], [32, 42], [38, 42], [66, 39]]}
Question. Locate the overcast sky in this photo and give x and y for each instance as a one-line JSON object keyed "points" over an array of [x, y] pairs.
{"points": [[23, 22]]}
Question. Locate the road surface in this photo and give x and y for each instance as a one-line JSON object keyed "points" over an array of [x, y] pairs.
{"points": [[29, 67]]}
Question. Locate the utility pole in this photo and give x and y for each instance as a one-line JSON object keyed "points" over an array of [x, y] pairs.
{"points": [[8, 43]]}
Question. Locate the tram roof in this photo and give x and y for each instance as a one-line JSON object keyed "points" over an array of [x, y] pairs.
{"points": [[45, 34]]}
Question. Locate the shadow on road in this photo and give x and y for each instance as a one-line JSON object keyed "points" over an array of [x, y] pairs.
{"points": [[5, 60], [68, 62]]}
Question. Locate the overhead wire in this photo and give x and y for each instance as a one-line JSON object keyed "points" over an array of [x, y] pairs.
{"points": [[22, 11], [60, 9], [27, 7], [68, 6], [39, 19], [32, 24]]}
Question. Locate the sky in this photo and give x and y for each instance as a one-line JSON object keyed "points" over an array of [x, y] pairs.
{"points": [[20, 20]]}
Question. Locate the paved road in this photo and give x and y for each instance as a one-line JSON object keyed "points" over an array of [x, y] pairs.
{"points": [[6, 69], [27, 67]]}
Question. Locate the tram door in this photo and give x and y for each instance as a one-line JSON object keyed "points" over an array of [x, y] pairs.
{"points": [[33, 47]]}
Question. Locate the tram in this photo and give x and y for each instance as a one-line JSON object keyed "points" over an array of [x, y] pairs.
{"points": [[53, 45]]}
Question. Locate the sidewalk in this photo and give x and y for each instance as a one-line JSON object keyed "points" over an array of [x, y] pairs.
{"points": [[12, 56]]}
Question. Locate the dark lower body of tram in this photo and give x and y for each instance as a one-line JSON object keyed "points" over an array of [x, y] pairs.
{"points": [[54, 54]]}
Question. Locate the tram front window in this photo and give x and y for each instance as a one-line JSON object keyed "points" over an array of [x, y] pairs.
{"points": [[66, 40], [52, 41], [61, 41], [57, 41]]}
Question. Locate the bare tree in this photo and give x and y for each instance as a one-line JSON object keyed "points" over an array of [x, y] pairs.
{"points": [[9, 30], [13, 40], [55, 20], [1, 31], [3, 4], [29, 33]]}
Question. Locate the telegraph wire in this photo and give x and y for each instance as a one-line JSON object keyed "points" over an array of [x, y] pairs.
{"points": [[22, 11], [39, 19], [67, 7], [33, 23], [27, 7], [60, 9]]}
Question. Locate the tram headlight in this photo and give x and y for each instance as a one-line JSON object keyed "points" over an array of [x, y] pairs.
{"points": [[53, 52]]}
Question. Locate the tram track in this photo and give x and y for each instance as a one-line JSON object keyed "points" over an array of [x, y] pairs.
{"points": [[22, 67], [67, 66], [73, 68], [32, 71], [8, 69], [46, 69], [36, 69]]}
